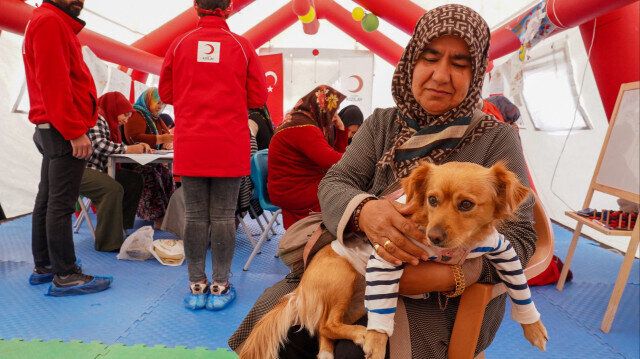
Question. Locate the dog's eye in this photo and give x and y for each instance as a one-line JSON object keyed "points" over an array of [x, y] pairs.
{"points": [[465, 205], [433, 201]]}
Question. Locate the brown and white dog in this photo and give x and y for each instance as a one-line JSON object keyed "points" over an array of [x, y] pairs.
{"points": [[324, 302]]}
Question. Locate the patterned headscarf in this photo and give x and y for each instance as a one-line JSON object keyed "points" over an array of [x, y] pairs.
{"points": [[148, 98], [435, 137], [317, 108], [110, 106]]}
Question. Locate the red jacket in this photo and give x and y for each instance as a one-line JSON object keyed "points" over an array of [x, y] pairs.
{"points": [[61, 89], [212, 76], [299, 157]]}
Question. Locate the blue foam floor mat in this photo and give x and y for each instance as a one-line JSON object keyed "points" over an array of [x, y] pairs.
{"points": [[144, 306]]}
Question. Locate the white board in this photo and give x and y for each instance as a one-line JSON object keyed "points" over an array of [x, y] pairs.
{"points": [[620, 165]]}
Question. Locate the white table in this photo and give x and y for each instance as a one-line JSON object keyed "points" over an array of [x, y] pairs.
{"points": [[139, 159]]}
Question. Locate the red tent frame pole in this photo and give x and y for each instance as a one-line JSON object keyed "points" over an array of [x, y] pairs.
{"points": [[158, 41], [403, 14], [374, 41], [15, 14], [614, 58], [268, 28], [564, 14]]}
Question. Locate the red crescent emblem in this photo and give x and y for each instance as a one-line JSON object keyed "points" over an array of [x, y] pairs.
{"points": [[359, 85]]}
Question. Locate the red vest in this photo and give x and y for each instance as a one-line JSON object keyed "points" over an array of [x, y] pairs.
{"points": [[212, 76], [61, 89]]}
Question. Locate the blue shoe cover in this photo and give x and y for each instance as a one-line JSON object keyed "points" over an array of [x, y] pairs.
{"points": [[36, 278], [221, 301], [98, 284], [195, 301]]}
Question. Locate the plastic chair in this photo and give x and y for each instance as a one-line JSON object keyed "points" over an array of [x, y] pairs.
{"points": [[84, 215], [474, 300], [259, 178]]}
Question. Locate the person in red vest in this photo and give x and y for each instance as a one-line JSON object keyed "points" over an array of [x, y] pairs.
{"points": [[211, 76], [311, 139], [63, 101]]}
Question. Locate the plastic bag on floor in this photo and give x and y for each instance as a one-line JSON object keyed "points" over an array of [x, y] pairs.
{"points": [[136, 246], [168, 252]]}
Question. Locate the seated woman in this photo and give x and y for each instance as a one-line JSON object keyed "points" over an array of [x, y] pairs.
{"points": [[261, 126], [304, 147], [116, 200], [436, 88], [146, 126], [352, 119]]}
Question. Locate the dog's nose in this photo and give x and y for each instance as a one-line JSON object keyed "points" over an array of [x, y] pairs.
{"points": [[437, 235]]}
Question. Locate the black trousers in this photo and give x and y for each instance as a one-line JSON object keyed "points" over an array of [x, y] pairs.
{"points": [[301, 345], [60, 176]]}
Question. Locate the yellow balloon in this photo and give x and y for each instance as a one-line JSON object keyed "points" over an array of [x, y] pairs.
{"points": [[358, 13], [309, 17]]}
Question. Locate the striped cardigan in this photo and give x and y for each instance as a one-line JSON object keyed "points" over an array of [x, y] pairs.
{"points": [[383, 280]]}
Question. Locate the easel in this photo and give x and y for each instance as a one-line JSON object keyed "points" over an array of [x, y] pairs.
{"points": [[597, 185]]}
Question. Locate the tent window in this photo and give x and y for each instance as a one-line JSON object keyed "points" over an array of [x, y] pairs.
{"points": [[549, 92]]}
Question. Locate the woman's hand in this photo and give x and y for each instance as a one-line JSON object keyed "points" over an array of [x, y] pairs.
{"points": [[168, 146], [337, 121], [382, 222], [165, 138], [139, 148]]}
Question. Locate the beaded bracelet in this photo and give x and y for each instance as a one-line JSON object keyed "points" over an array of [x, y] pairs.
{"points": [[356, 214], [458, 276]]}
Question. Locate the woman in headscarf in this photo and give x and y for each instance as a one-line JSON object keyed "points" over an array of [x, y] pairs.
{"points": [[261, 126], [146, 126], [436, 87], [304, 147], [116, 200], [352, 119]]}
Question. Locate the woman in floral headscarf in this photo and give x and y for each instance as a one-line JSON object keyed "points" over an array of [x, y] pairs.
{"points": [[146, 126], [304, 147], [436, 87]]}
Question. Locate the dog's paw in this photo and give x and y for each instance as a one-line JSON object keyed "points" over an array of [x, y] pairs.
{"points": [[375, 345], [359, 335], [536, 334], [325, 355]]}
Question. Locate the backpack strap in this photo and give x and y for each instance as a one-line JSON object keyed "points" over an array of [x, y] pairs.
{"points": [[310, 244]]}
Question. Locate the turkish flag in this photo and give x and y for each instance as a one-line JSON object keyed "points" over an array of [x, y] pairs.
{"points": [[272, 65]]}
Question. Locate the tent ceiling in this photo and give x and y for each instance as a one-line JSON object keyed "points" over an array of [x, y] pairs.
{"points": [[127, 20]]}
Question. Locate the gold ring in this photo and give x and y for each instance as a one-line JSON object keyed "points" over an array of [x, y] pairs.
{"points": [[376, 246], [387, 244]]}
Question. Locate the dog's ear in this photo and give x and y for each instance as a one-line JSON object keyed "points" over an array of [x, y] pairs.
{"points": [[511, 193], [415, 186]]}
